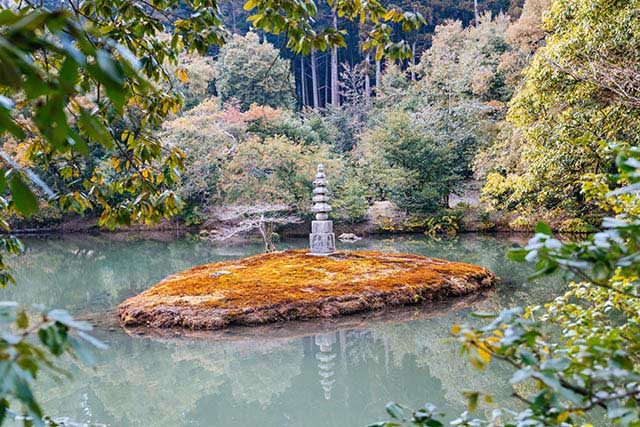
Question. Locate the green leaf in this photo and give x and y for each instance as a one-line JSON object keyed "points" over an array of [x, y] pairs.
{"points": [[557, 364], [521, 375], [92, 340], [49, 338], [69, 73], [22, 320], [66, 319], [543, 228], [4, 406], [7, 123], [23, 198], [83, 352], [9, 71], [484, 315], [395, 411], [109, 66], [3, 181], [24, 394], [94, 128]]}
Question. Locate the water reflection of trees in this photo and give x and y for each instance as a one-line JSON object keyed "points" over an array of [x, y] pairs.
{"points": [[349, 374]]}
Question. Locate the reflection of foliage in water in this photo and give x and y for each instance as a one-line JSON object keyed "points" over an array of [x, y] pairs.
{"points": [[433, 348], [166, 384]]}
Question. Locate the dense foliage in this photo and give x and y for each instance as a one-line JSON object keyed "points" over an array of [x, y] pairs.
{"points": [[579, 100], [576, 358], [45, 108], [578, 353], [413, 143]]}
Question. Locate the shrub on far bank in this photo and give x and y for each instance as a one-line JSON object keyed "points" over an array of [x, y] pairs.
{"points": [[273, 170]]}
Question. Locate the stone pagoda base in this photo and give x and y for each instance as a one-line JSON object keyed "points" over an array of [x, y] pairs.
{"points": [[322, 239]]}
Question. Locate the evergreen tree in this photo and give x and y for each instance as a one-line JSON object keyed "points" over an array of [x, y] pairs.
{"points": [[254, 73]]}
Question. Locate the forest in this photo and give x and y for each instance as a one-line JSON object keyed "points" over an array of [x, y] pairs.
{"points": [[455, 116], [450, 121]]}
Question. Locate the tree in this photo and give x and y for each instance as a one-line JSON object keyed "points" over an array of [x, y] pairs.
{"points": [[421, 169], [206, 142], [212, 136], [254, 73], [392, 87], [463, 62], [274, 171], [303, 83], [261, 217], [61, 85], [459, 98], [335, 80], [314, 79], [524, 36], [593, 364]]}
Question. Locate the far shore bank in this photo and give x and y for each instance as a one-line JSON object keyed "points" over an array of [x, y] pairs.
{"points": [[364, 228]]}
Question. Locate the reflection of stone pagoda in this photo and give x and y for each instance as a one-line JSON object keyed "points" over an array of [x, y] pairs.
{"points": [[321, 239], [326, 362]]}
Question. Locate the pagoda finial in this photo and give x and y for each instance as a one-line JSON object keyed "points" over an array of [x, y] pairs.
{"points": [[322, 239]]}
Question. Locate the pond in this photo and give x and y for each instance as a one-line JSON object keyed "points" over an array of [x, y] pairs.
{"points": [[307, 374]]}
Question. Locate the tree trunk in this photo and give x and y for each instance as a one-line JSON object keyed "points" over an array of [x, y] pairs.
{"points": [[378, 73], [413, 61], [367, 79], [335, 88], [266, 230], [303, 82], [327, 83], [314, 79], [233, 17], [475, 12]]}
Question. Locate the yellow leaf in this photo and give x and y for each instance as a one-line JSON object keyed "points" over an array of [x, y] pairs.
{"points": [[563, 416], [182, 75], [476, 364], [379, 53], [484, 355], [455, 329], [250, 4]]}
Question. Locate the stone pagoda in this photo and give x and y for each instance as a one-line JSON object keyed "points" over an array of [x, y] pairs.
{"points": [[321, 239]]}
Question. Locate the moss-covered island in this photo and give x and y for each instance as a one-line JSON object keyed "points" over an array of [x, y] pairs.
{"points": [[293, 285]]}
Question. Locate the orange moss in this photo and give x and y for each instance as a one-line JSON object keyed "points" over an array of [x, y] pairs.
{"points": [[295, 285]]}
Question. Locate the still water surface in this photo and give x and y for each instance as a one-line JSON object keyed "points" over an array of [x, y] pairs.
{"points": [[307, 374]]}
